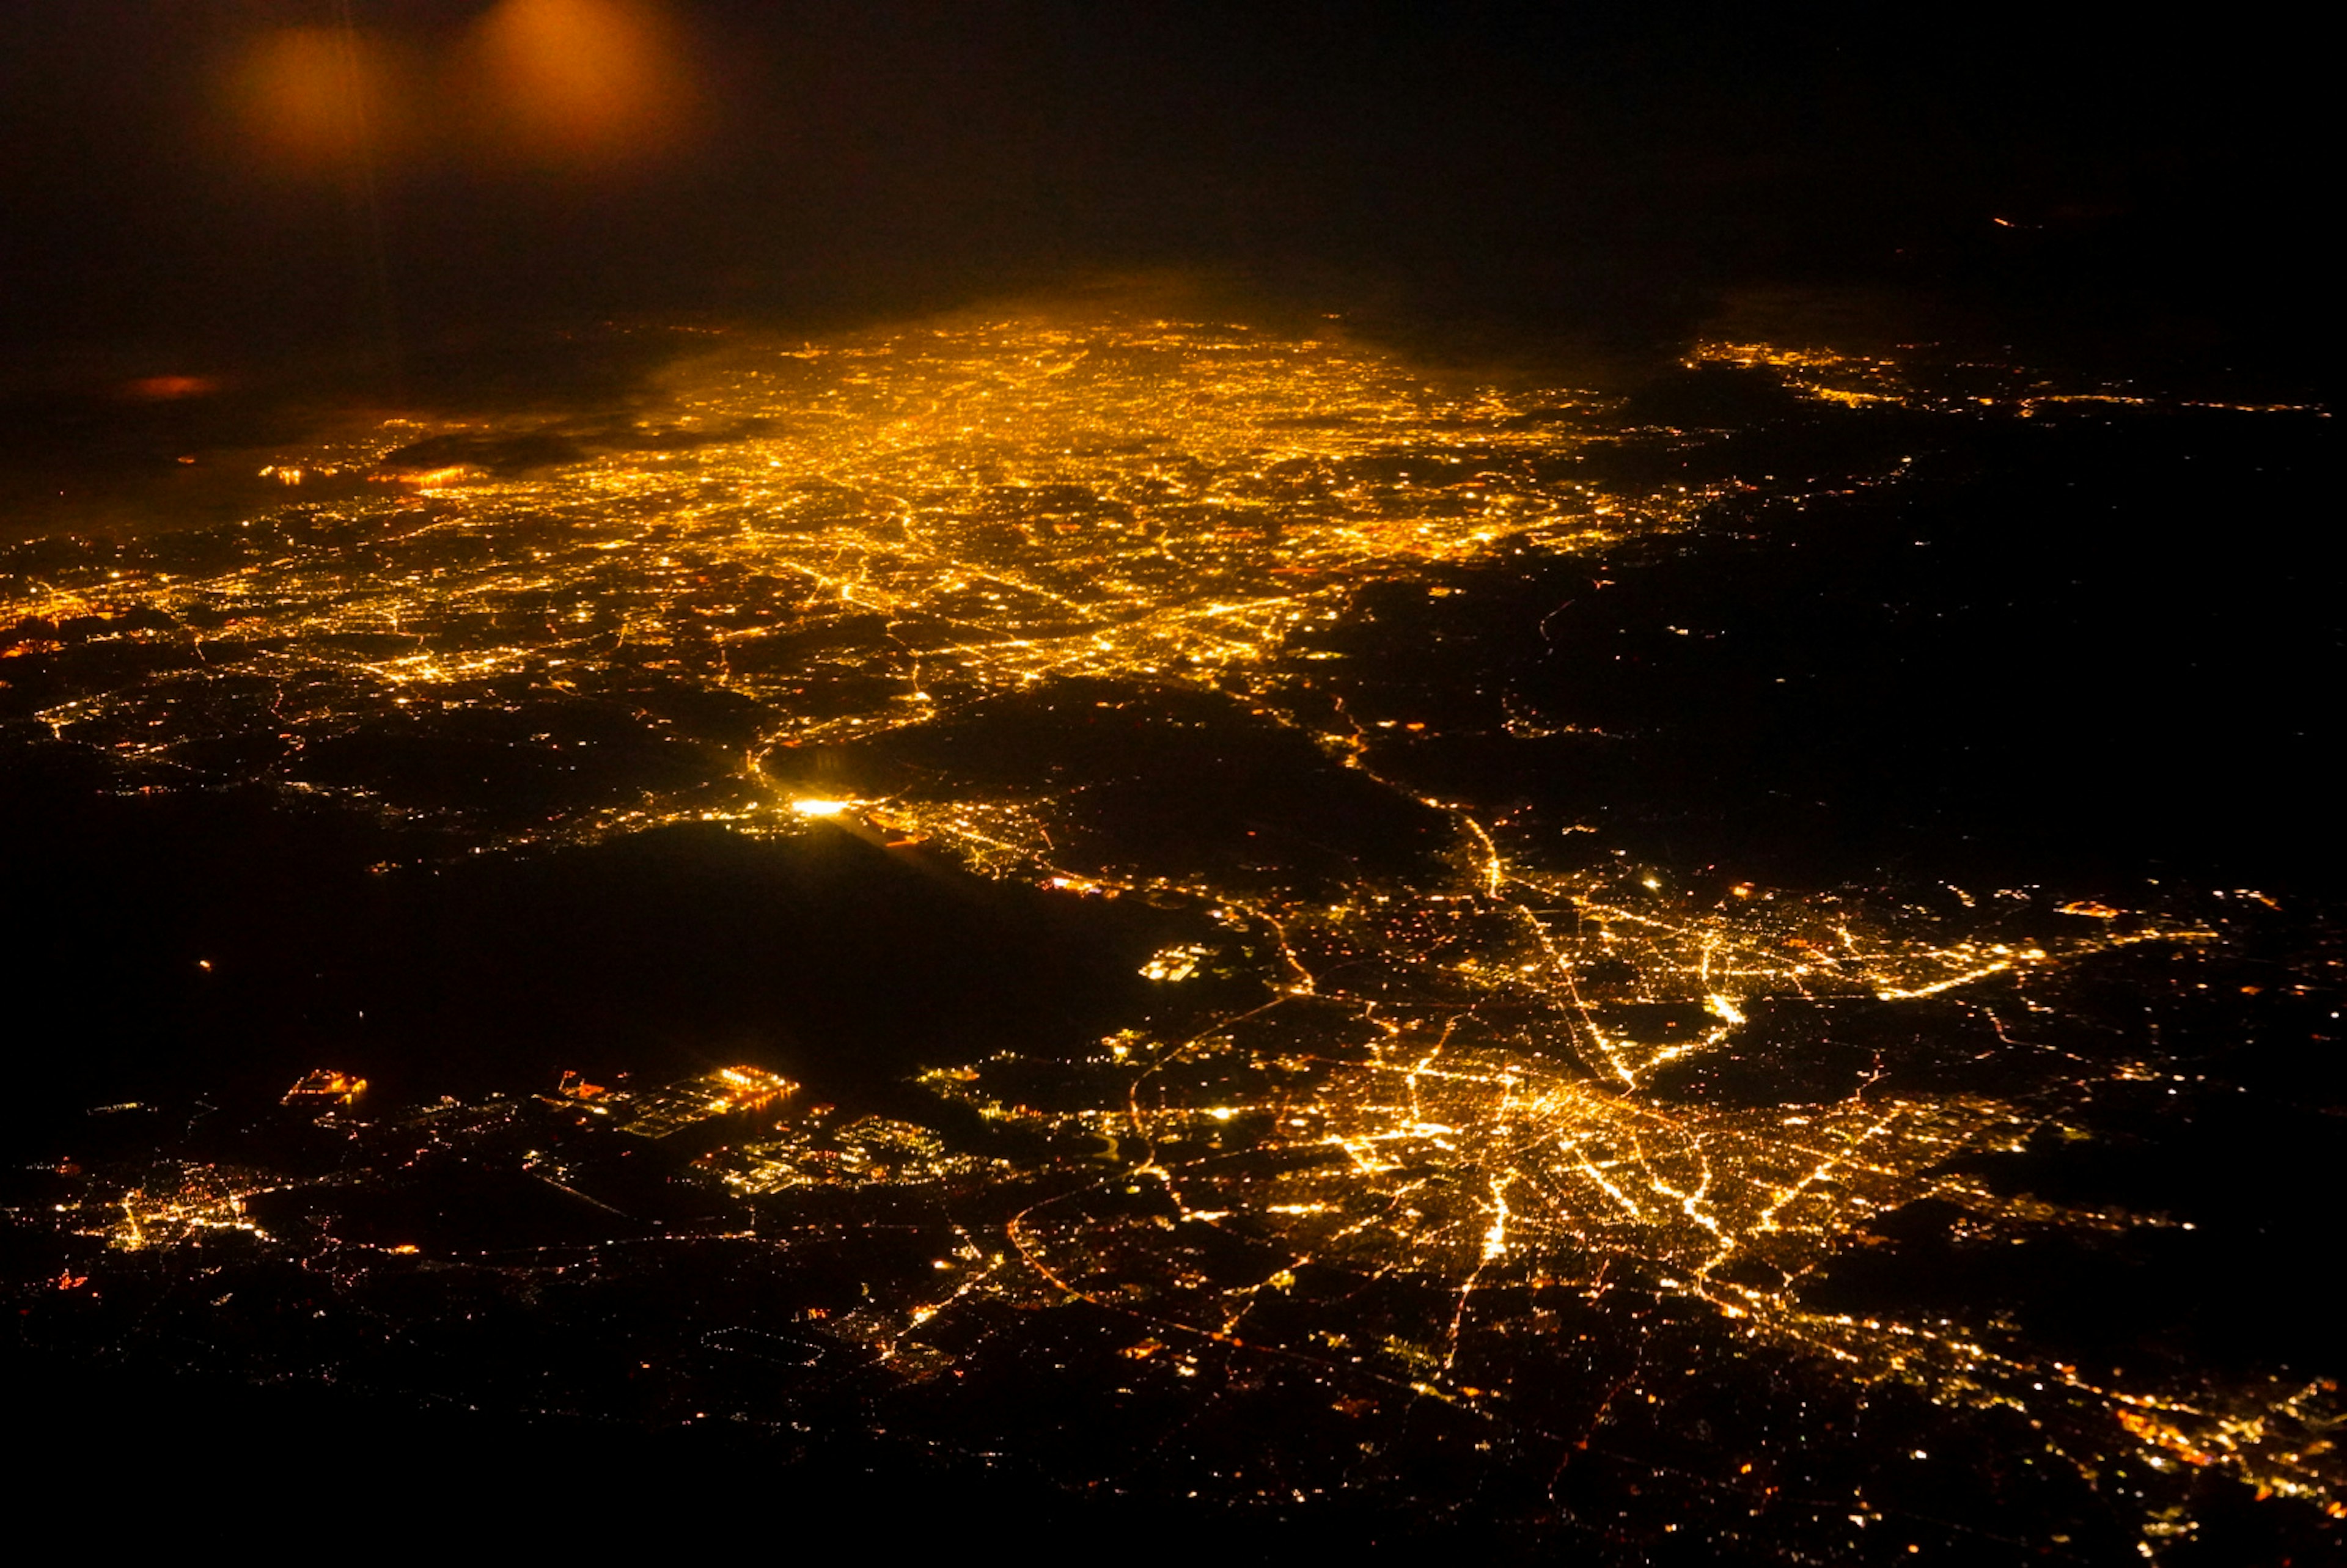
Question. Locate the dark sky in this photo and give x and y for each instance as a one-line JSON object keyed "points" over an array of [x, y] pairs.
{"points": [[190, 185]]}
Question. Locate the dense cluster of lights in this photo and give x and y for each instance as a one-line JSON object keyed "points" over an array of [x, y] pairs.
{"points": [[852, 538], [1471, 1080]]}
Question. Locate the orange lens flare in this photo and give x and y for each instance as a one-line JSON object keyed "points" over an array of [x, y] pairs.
{"points": [[583, 83], [312, 100]]}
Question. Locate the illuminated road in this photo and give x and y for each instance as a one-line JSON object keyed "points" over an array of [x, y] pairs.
{"points": [[1456, 1120]]}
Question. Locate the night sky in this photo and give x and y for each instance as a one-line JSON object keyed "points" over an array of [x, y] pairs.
{"points": [[196, 188]]}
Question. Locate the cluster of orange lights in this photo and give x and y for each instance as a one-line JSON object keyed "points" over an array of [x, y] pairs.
{"points": [[327, 1085], [751, 1089], [574, 1087]]}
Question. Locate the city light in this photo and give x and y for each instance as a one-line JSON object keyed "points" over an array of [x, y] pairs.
{"points": [[1417, 1138]]}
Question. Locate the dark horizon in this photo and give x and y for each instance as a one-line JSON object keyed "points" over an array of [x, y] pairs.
{"points": [[204, 191]]}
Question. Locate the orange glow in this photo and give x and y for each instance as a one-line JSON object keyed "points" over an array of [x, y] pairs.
{"points": [[164, 388], [312, 101], [574, 1087], [583, 83], [427, 479]]}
